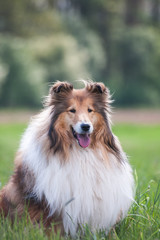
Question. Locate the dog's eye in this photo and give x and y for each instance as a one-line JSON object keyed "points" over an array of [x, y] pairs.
{"points": [[90, 110], [72, 110]]}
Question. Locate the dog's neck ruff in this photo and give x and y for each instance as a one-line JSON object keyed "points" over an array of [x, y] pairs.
{"points": [[86, 189]]}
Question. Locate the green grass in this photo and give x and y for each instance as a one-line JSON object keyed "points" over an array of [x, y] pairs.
{"points": [[142, 144], [10, 136]]}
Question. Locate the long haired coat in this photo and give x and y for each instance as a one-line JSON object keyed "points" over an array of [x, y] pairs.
{"points": [[70, 169]]}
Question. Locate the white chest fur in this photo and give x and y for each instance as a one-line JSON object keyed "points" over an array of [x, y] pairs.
{"points": [[85, 189]]}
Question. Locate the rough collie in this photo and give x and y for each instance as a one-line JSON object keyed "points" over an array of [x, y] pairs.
{"points": [[70, 169]]}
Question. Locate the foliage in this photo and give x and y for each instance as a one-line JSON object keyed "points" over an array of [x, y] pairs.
{"points": [[135, 63], [27, 18], [116, 42], [21, 82], [30, 66], [65, 57], [95, 59]]}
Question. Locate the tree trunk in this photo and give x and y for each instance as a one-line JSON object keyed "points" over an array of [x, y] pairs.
{"points": [[133, 8], [156, 11]]}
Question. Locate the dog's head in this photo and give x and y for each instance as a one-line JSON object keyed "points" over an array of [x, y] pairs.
{"points": [[80, 115]]}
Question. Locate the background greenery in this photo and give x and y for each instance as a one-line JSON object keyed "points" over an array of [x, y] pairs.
{"points": [[117, 42], [143, 221]]}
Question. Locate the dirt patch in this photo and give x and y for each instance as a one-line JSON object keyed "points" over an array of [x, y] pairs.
{"points": [[16, 116], [134, 116]]}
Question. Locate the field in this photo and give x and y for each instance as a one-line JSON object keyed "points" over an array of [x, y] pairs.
{"points": [[142, 144]]}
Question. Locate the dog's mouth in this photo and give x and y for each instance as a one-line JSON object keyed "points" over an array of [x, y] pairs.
{"points": [[82, 139]]}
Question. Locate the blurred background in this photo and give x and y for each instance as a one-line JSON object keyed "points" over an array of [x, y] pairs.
{"points": [[116, 42]]}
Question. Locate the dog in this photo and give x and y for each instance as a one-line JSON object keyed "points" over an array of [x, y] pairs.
{"points": [[70, 168]]}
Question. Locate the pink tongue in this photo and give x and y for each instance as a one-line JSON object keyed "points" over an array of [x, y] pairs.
{"points": [[83, 140]]}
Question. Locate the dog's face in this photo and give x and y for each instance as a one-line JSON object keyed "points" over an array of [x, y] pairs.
{"points": [[79, 115]]}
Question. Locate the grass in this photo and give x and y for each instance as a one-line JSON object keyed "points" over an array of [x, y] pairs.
{"points": [[142, 144], [10, 135]]}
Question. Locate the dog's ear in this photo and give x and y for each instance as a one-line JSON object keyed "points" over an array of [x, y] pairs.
{"points": [[96, 88], [60, 87], [57, 93]]}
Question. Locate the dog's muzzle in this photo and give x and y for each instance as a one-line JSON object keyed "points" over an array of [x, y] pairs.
{"points": [[81, 131]]}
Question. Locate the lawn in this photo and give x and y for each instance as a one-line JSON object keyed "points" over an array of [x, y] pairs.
{"points": [[142, 144]]}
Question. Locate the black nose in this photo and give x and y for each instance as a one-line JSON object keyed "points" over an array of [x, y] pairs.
{"points": [[85, 127]]}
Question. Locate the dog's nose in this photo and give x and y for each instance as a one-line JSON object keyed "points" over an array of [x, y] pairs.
{"points": [[85, 127]]}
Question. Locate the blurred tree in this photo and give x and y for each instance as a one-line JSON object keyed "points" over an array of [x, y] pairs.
{"points": [[137, 60], [100, 16], [66, 57], [90, 42], [111, 41], [156, 11], [133, 11], [28, 18], [20, 86]]}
